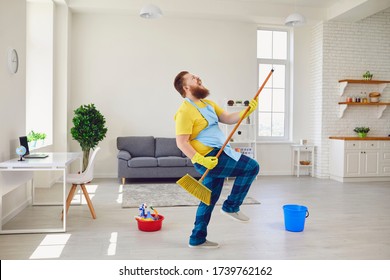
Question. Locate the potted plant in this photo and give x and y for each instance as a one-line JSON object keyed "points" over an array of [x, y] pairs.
{"points": [[42, 137], [362, 131], [89, 129], [33, 137], [367, 76]]}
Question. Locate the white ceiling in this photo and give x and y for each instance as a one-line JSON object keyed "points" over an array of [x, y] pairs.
{"points": [[259, 11], [299, 3]]}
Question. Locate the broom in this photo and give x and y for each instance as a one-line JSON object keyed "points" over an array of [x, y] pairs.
{"points": [[195, 187]]}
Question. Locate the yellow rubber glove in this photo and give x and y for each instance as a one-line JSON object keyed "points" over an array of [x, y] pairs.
{"points": [[252, 106], [208, 162]]}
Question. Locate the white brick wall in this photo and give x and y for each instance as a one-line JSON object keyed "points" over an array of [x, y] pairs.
{"points": [[347, 50], [316, 97]]}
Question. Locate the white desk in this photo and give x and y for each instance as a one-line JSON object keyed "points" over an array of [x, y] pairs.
{"points": [[24, 169]]}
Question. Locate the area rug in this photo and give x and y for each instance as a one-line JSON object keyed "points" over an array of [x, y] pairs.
{"points": [[166, 195]]}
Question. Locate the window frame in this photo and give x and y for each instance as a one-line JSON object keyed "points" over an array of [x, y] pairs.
{"points": [[288, 92]]}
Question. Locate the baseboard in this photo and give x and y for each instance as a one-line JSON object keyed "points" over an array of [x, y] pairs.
{"points": [[360, 179], [105, 175], [275, 173], [321, 176]]}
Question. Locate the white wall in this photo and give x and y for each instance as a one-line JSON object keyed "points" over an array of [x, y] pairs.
{"points": [[126, 65], [12, 90], [315, 85], [12, 86], [61, 85]]}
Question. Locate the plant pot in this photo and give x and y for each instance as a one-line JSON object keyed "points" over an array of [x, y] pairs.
{"points": [[362, 134]]}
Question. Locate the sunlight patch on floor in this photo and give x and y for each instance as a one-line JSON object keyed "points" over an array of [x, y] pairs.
{"points": [[111, 251], [120, 195], [51, 247], [79, 196]]}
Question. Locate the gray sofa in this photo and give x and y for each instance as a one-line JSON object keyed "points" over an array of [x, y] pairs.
{"points": [[150, 157]]}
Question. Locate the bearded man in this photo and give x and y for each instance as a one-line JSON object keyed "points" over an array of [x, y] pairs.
{"points": [[199, 137]]}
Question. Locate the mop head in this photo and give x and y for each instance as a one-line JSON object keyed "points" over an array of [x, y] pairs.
{"points": [[196, 188]]}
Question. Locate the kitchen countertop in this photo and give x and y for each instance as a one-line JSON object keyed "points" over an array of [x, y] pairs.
{"points": [[352, 138]]}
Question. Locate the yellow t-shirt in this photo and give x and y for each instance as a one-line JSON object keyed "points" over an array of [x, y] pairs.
{"points": [[190, 121]]}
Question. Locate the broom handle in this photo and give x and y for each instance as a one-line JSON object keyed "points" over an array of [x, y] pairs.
{"points": [[238, 123]]}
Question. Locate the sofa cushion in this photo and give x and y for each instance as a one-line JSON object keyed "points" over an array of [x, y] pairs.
{"points": [[137, 146], [166, 147], [171, 161], [142, 162]]}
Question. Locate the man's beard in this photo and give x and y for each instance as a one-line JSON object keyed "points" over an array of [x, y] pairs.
{"points": [[200, 92]]}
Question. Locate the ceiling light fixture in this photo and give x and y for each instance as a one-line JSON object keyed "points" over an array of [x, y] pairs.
{"points": [[295, 19], [150, 11]]}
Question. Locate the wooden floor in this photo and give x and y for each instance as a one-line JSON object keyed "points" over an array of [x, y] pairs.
{"points": [[347, 221]]}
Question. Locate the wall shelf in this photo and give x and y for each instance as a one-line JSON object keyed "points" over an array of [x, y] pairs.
{"points": [[344, 83], [381, 107]]}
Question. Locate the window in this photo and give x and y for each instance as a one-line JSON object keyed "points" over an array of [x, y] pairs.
{"points": [[273, 110], [39, 68]]}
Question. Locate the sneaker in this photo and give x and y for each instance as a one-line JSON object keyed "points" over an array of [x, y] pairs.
{"points": [[237, 216], [206, 245]]}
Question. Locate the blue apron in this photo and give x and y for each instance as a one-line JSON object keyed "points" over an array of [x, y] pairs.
{"points": [[212, 136]]}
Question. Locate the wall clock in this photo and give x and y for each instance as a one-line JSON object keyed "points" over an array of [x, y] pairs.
{"points": [[13, 61]]}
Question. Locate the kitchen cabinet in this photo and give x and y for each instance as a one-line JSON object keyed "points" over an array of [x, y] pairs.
{"points": [[364, 159], [384, 163]]}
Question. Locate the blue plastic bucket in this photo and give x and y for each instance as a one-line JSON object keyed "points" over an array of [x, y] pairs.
{"points": [[294, 217]]}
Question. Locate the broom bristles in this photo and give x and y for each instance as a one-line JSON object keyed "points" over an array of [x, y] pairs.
{"points": [[195, 188]]}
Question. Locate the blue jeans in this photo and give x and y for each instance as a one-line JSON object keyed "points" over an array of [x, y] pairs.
{"points": [[245, 170]]}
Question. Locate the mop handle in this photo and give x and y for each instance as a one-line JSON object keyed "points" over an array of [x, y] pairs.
{"points": [[238, 123]]}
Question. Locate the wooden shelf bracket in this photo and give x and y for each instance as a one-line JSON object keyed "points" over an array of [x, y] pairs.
{"points": [[344, 83], [380, 107]]}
